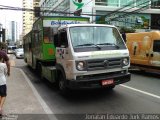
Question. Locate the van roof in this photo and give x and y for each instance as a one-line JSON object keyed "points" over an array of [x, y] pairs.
{"points": [[83, 25]]}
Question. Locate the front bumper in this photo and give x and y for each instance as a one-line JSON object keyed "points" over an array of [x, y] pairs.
{"points": [[95, 82], [19, 56]]}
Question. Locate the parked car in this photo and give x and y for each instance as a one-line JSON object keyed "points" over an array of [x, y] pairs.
{"points": [[10, 49], [19, 53]]}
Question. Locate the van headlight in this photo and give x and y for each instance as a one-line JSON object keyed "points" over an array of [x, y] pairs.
{"points": [[125, 61], [81, 65]]}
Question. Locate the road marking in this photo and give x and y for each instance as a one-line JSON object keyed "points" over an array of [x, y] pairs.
{"points": [[143, 92]]}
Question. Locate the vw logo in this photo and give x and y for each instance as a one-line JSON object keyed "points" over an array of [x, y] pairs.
{"points": [[105, 63]]}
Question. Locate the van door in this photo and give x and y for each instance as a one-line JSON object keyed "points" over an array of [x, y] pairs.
{"points": [[154, 55], [140, 51], [61, 47]]}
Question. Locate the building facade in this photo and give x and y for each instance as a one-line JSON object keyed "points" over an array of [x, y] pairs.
{"points": [[28, 15], [12, 32], [137, 14]]}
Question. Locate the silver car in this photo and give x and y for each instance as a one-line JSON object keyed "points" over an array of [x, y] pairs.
{"points": [[19, 53]]}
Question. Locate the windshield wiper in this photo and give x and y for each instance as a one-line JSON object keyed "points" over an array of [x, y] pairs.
{"points": [[89, 44], [109, 44]]}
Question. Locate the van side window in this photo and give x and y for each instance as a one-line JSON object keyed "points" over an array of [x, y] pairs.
{"points": [[156, 46], [63, 38], [56, 42]]}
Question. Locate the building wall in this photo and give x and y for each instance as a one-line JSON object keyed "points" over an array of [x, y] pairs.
{"points": [[133, 14], [12, 32], [27, 16], [128, 13], [54, 5]]}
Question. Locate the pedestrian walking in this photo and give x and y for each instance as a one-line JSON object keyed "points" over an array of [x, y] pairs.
{"points": [[5, 59], [3, 86]]}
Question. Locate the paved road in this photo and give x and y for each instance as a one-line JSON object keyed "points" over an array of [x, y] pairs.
{"points": [[140, 95]]}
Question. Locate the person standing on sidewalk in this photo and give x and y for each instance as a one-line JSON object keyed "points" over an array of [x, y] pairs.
{"points": [[3, 86], [5, 59]]}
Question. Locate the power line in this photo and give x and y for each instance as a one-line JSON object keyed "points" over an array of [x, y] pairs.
{"points": [[27, 9], [118, 10], [6, 6], [15, 8], [135, 11], [32, 10], [62, 12], [88, 2]]}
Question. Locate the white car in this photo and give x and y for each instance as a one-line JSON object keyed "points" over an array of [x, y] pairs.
{"points": [[19, 53]]}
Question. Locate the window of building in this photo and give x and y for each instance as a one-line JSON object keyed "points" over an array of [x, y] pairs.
{"points": [[101, 2], [113, 3], [155, 4], [140, 3], [130, 3]]}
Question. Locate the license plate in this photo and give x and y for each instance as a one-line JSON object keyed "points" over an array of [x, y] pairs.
{"points": [[107, 82]]}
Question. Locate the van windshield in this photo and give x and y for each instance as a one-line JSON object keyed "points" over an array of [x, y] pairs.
{"points": [[94, 37]]}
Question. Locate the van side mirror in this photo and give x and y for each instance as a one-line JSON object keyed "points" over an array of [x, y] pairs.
{"points": [[56, 43], [63, 38]]}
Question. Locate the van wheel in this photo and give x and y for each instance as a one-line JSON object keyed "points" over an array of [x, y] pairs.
{"points": [[62, 85], [39, 71], [111, 87]]}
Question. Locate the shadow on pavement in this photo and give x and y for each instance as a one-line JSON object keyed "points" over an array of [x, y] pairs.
{"points": [[145, 73]]}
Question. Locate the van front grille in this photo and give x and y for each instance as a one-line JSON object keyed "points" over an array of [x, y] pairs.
{"points": [[101, 64]]}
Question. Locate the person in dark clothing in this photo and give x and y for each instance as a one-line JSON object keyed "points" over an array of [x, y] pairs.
{"points": [[5, 60]]}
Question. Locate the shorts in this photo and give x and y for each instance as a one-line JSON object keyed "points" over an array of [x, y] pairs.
{"points": [[3, 90]]}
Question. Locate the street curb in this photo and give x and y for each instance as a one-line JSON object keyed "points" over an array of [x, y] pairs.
{"points": [[42, 102]]}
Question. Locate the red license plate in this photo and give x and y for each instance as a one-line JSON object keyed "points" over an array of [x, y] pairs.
{"points": [[107, 82]]}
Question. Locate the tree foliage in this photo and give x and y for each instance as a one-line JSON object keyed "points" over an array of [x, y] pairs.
{"points": [[3, 45], [127, 30]]}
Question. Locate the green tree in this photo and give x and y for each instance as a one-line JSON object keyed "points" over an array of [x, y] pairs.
{"points": [[126, 30], [3, 45]]}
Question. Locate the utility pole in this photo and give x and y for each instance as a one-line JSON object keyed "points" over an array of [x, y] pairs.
{"points": [[2, 34]]}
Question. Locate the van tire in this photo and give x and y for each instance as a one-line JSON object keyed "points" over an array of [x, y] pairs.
{"points": [[62, 85], [111, 87], [39, 70]]}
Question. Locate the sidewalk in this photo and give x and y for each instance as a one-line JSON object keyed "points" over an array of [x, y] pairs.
{"points": [[20, 97]]}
